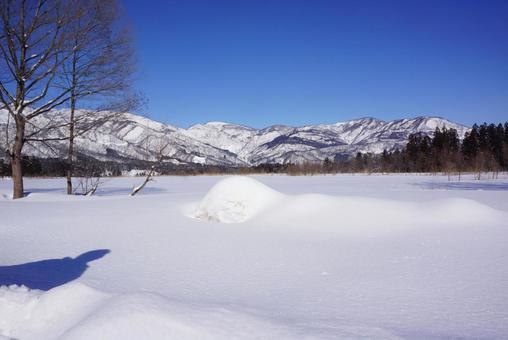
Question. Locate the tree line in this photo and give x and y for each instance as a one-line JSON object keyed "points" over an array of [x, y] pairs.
{"points": [[483, 149]]}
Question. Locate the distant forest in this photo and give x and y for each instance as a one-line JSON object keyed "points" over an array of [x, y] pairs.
{"points": [[484, 149]]}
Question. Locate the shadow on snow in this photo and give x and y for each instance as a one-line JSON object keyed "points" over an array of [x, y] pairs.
{"points": [[106, 191], [465, 186], [47, 274], [112, 191]]}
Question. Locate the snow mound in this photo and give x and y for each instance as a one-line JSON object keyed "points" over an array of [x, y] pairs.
{"points": [[35, 314], [236, 199], [75, 311], [151, 316]]}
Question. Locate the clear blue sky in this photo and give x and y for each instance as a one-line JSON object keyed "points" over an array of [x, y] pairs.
{"points": [[259, 63]]}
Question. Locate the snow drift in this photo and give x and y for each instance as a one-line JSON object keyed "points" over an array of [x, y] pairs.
{"points": [[77, 312], [236, 199], [239, 199]]}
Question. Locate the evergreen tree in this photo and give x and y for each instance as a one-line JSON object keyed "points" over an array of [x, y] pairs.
{"points": [[359, 162], [505, 138], [471, 145], [327, 165], [483, 137]]}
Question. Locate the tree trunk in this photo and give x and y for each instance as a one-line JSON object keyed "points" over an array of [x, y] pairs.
{"points": [[70, 155], [17, 171], [147, 179]]}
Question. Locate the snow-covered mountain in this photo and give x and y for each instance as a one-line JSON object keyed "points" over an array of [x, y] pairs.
{"points": [[280, 143], [129, 137]]}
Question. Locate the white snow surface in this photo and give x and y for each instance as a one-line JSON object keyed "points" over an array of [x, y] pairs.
{"points": [[236, 199], [318, 257]]}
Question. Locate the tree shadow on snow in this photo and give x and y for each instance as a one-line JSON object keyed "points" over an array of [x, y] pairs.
{"points": [[44, 191], [465, 186], [112, 191], [47, 274]]}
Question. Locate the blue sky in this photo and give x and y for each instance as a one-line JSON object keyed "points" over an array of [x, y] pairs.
{"points": [[260, 62]]}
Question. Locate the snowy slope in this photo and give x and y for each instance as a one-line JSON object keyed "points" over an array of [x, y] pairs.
{"points": [[217, 143], [225, 136], [316, 142], [130, 136]]}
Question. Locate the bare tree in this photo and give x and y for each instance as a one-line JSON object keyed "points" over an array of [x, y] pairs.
{"points": [[159, 147], [90, 178], [98, 72], [54, 52], [32, 49]]}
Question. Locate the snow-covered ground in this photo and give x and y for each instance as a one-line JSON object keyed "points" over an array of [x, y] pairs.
{"points": [[318, 257]]}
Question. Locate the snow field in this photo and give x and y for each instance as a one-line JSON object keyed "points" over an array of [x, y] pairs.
{"points": [[324, 257]]}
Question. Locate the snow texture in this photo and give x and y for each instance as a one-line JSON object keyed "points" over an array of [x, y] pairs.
{"points": [[236, 199]]}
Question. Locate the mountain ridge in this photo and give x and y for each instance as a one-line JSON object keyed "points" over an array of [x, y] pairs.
{"points": [[128, 136]]}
